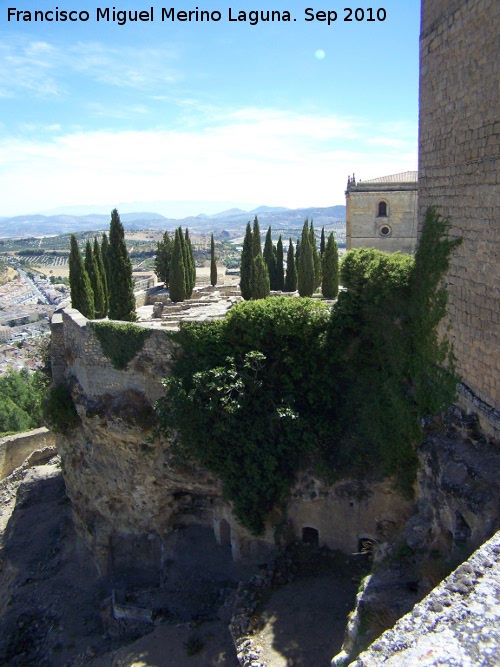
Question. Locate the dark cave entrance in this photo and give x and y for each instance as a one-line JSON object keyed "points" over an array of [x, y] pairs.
{"points": [[310, 536]]}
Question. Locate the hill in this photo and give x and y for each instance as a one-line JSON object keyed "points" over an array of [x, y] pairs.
{"points": [[231, 221]]}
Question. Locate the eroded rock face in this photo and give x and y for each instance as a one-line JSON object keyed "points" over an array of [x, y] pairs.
{"points": [[459, 488], [123, 481]]}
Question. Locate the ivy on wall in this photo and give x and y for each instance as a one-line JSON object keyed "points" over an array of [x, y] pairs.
{"points": [[120, 341], [59, 410]]}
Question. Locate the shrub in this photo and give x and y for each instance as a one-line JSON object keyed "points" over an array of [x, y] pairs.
{"points": [[59, 410]]}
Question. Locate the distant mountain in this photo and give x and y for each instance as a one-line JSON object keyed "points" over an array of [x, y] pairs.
{"points": [[231, 221], [226, 214], [268, 209], [43, 225]]}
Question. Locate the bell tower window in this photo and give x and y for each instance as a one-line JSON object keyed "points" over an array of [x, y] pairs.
{"points": [[382, 209]]}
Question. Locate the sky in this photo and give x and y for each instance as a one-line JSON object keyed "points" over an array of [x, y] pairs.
{"points": [[197, 116]]}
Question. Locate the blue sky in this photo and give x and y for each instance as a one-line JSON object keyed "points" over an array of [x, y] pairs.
{"points": [[205, 113]]}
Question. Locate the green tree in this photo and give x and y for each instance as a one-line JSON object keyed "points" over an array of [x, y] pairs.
{"points": [[102, 274], [322, 244], [305, 275], [270, 259], [178, 271], [330, 285], [189, 265], [256, 243], [280, 272], [316, 257], [291, 270], [95, 281], [105, 259], [163, 259], [260, 278], [121, 286], [213, 264], [82, 297], [246, 264], [21, 395]]}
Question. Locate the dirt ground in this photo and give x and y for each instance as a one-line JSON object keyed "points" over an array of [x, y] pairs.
{"points": [[53, 609]]}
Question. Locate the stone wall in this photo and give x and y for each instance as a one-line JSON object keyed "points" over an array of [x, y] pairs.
{"points": [[76, 352], [15, 449], [459, 172]]}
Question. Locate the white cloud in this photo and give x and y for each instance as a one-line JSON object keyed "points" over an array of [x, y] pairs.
{"points": [[41, 68], [260, 155]]}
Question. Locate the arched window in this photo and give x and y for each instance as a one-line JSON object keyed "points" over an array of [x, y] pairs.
{"points": [[382, 209]]}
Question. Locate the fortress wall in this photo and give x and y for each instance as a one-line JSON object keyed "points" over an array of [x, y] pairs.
{"points": [[459, 172]]}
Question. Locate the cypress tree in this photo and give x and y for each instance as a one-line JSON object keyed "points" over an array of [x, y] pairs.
{"points": [[121, 286], [246, 264], [291, 270], [105, 259], [213, 264], [163, 259], [316, 257], [330, 286], [190, 264], [182, 241], [102, 274], [270, 259], [82, 297], [306, 276], [260, 278], [95, 281], [259, 286], [177, 273], [322, 244], [280, 274], [297, 254]]}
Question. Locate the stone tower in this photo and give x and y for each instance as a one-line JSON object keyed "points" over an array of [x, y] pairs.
{"points": [[459, 149]]}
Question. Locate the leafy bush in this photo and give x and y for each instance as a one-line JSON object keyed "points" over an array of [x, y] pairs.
{"points": [[59, 410], [21, 394], [120, 342]]}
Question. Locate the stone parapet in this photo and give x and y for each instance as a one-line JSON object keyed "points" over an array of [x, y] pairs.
{"points": [[458, 623]]}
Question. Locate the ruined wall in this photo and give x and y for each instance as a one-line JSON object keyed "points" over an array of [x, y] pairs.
{"points": [[459, 172], [15, 449], [76, 352]]}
